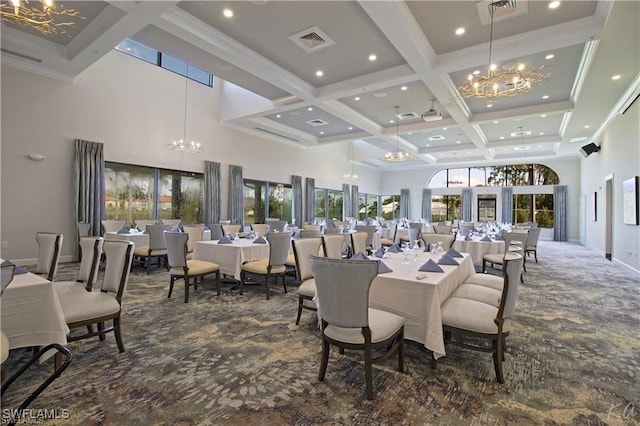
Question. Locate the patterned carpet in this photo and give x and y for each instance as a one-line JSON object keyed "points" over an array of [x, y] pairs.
{"points": [[573, 358]]}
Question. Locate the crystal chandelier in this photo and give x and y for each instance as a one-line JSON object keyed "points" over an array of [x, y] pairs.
{"points": [[181, 145], [352, 175], [510, 80], [46, 18], [397, 156]]}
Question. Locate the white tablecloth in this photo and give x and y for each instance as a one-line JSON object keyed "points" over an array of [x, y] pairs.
{"points": [[478, 248], [31, 313], [230, 257], [141, 239], [418, 301]]}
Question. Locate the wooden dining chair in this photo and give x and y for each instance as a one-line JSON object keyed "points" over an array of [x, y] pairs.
{"points": [[274, 266], [88, 272], [156, 249]]}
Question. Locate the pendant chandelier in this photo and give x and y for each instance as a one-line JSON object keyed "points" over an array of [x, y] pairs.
{"points": [[510, 80], [352, 175], [397, 156], [43, 15], [181, 145]]}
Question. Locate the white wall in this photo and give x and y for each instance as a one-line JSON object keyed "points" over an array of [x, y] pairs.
{"points": [[568, 172], [620, 157], [134, 108]]}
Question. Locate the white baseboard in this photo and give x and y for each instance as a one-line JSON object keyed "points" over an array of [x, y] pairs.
{"points": [[619, 262]]}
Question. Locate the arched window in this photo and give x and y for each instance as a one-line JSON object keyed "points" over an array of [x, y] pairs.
{"points": [[510, 175]]}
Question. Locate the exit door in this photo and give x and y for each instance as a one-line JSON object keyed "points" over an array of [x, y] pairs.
{"points": [[486, 208]]}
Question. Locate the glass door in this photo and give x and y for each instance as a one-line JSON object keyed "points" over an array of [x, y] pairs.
{"points": [[486, 208]]}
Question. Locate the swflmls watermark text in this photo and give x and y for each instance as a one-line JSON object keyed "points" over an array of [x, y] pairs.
{"points": [[626, 412], [33, 416]]}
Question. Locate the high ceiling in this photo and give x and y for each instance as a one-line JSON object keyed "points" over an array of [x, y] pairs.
{"points": [[420, 63]]}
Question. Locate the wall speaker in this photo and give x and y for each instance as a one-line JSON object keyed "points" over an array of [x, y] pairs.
{"points": [[589, 149]]}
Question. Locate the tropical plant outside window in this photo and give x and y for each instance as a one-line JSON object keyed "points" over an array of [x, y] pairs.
{"points": [[131, 192], [279, 203], [511, 175], [536, 208], [390, 207], [367, 206], [329, 203], [445, 207]]}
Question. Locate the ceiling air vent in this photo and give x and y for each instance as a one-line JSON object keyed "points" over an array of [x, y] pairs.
{"points": [[317, 122], [407, 115], [501, 9], [520, 133], [436, 138], [311, 39]]}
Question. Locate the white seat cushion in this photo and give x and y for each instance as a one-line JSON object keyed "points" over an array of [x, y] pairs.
{"points": [[4, 347], [63, 287], [144, 251], [486, 280], [479, 293], [197, 267], [260, 267], [87, 305], [494, 258], [308, 288], [471, 315], [383, 325]]}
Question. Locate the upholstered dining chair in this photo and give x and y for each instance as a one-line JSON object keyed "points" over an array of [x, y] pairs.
{"points": [[88, 272], [531, 246], [141, 224], [370, 230], [332, 245], [342, 291], [447, 240], [84, 230], [482, 321], [216, 231], [156, 248], [173, 222], [274, 266], [414, 235], [328, 231], [513, 242], [358, 242], [260, 228], [466, 228], [442, 229], [310, 233], [112, 225], [195, 233], [231, 230], [86, 308], [393, 230], [49, 248], [181, 267], [302, 249]]}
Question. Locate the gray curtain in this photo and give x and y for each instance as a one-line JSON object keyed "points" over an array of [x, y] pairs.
{"points": [[426, 203], [236, 194], [296, 186], [310, 191], [346, 201], [507, 204], [355, 206], [212, 198], [404, 203], [89, 184], [560, 212], [467, 204]]}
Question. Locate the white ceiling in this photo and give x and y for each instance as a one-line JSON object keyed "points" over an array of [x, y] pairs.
{"points": [[416, 49]]}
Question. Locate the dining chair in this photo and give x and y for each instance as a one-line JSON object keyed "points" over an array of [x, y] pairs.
{"points": [[332, 245], [447, 240], [260, 228], [88, 308], [393, 230], [310, 233], [156, 248], [328, 231], [358, 242], [302, 249], [195, 233], [112, 225], [513, 243], [274, 266], [89, 265], [442, 229], [342, 288], [141, 224], [231, 230], [466, 228], [216, 231], [49, 248], [84, 229], [370, 230], [531, 245], [181, 267], [482, 321], [412, 237], [173, 222]]}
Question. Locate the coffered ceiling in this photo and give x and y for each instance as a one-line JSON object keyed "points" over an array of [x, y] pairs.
{"points": [[275, 49]]}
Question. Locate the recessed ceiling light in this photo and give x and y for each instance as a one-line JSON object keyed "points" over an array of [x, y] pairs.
{"points": [[457, 141], [391, 121], [310, 109], [228, 13], [372, 57], [380, 94], [545, 97], [495, 121], [403, 88], [357, 98], [278, 116], [444, 128], [554, 4], [543, 115], [539, 146], [550, 56], [541, 133], [476, 72], [586, 126], [319, 73], [460, 31], [616, 77], [489, 105], [427, 145], [501, 137], [322, 133], [350, 128]]}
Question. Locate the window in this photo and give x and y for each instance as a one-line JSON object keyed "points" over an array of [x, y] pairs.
{"points": [[367, 206], [445, 207], [533, 208], [279, 203], [512, 175], [390, 207], [329, 203], [136, 192], [165, 61]]}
